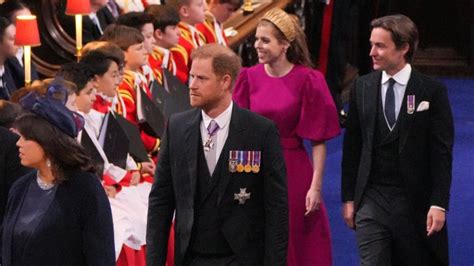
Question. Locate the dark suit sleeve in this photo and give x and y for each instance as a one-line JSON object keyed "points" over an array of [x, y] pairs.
{"points": [[12, 172], [161, 206], [441, 147], [14, 169], [352, 147], [276, 200], [97, 234]]}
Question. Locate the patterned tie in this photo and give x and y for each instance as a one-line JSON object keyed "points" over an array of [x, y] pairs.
{"points": [[390, 103], [211, 144]]}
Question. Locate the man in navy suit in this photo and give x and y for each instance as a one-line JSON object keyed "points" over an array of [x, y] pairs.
{"points": [[397, 159], [222, 169], [7, 49]]}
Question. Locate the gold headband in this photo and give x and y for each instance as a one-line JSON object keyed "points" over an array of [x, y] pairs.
{"points": [[282, 21]]}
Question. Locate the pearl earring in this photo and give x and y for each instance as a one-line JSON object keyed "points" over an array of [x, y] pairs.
{"points": [[48, 163]]}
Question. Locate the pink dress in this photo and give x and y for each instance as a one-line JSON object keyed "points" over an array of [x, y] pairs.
{"points": [[302, 108]]}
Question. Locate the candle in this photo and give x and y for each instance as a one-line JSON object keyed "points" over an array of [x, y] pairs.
{"points": [[27, 58], [78, 36]]}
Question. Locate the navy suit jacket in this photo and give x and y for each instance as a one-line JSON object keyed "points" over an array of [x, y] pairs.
{"points": [[76, 229]]}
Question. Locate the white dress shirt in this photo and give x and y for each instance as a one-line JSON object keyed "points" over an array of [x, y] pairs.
{"points": [[223, 120]]}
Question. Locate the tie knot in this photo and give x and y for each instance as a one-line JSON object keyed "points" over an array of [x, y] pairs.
{"points": [[212, 127], [391, 82]]}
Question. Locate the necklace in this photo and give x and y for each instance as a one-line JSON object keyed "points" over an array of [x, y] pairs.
{"points": [[43, 185]]}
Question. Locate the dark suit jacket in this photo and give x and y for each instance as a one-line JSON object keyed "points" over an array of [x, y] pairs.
{"points": [[425, 147], [10, 166], [77, 228], [17, 72], [90, 32], [257, 231]]}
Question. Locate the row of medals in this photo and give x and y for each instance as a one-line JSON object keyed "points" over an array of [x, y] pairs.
{"points": [[240, 167]]}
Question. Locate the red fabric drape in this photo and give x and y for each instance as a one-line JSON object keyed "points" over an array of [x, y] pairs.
{"points": [[325, 37]]}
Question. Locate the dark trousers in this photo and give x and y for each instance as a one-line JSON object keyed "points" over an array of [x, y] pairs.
{"points": [[210, 260], [386, 232]]}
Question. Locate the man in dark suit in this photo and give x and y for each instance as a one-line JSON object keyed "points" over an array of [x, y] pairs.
{"points": [[397, 160], [93, 25], [17, 72], [221, 168], [10, 167], [10, 170], [7, 49]]}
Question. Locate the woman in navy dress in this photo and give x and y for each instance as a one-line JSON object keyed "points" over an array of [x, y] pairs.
{"points": [[58, 214]]}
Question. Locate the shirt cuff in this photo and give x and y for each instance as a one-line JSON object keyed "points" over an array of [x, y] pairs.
{"points": [[437, 207]]}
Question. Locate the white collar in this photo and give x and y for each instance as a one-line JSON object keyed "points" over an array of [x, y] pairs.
{"points": [[401, 77], [222, 120], [2, 70]]}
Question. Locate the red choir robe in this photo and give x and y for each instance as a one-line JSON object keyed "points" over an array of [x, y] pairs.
{"points": [[160, 59], [211, 31], [128, 251], [127, 105], [188, 40]]}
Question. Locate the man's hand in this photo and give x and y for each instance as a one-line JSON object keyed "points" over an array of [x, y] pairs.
{"points": [[135, 179], [435, 221], [148, 168], [348, 213], [111, 191]]}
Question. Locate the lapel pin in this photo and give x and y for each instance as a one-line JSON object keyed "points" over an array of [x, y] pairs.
{"points": [[410, 104]]}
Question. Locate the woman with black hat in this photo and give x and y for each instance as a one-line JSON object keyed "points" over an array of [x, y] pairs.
{"points": [[59, 214]]}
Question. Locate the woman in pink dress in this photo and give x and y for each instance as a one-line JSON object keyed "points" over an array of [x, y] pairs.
{"points": [[285, 89]]}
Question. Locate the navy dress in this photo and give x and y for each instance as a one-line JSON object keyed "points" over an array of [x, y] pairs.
{"points": [[70, 224]]}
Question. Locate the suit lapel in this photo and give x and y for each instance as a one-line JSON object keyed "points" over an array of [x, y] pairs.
{"points": [[370, 98], [9, 82], [236, 130], [191, 142], [405, 119]]}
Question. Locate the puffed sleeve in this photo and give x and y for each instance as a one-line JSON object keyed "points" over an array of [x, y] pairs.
{"points": [[240, 94], [318, 119]]}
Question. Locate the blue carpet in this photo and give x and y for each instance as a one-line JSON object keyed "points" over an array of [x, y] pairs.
{"points": [[461, 214]]}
